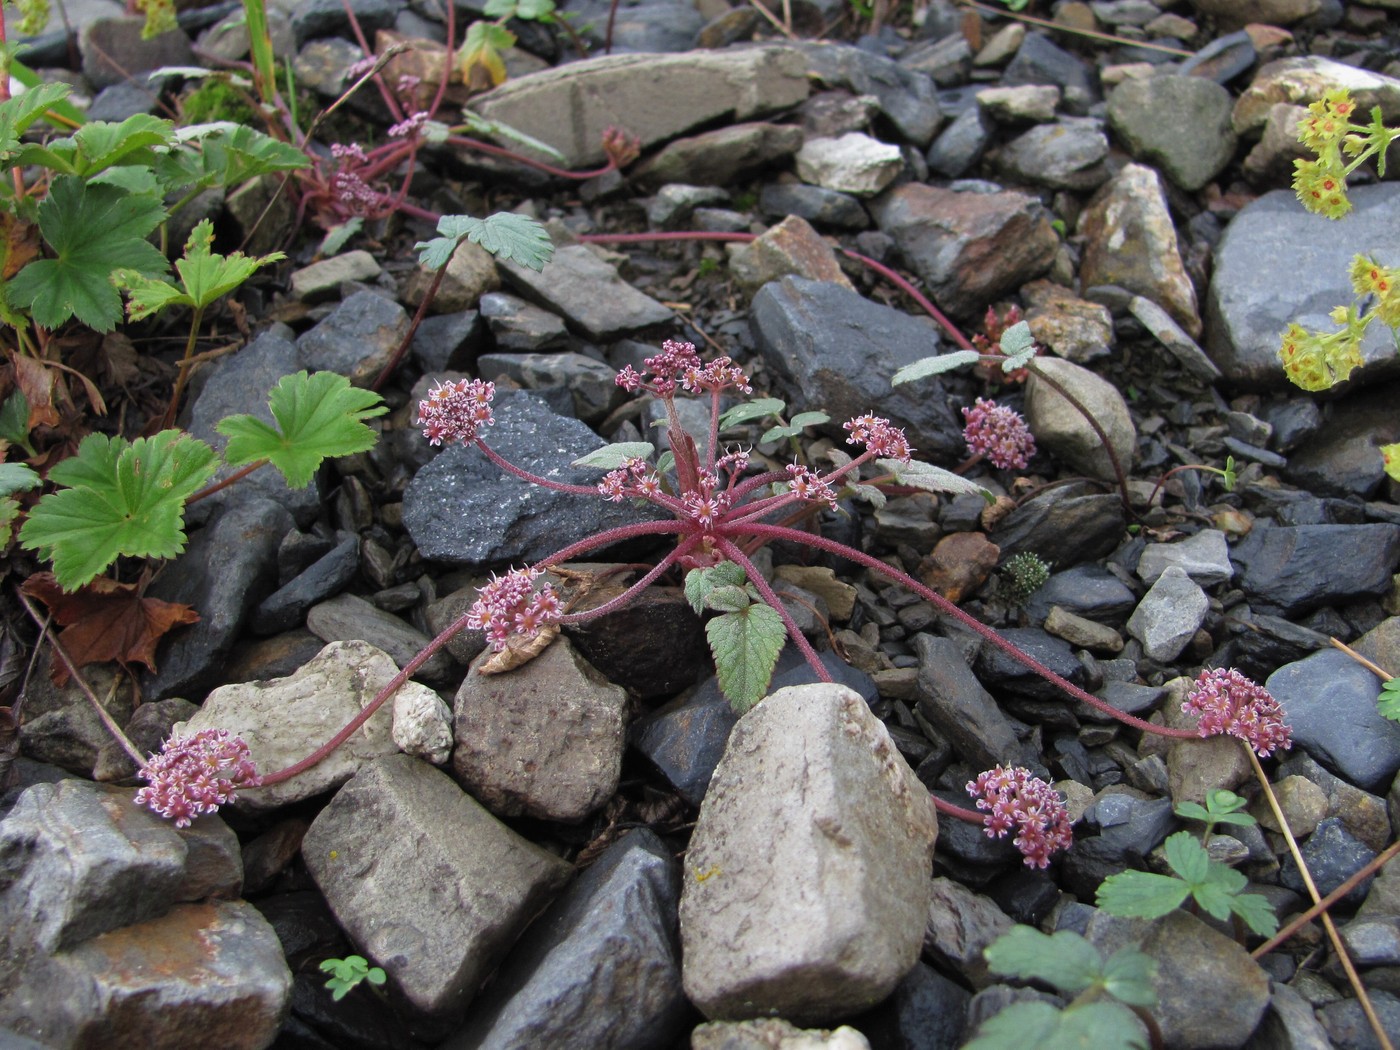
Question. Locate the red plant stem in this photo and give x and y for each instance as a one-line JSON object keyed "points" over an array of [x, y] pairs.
{"points": [[534, 479], [944, 806], [237, 475], [500, 151], [608, 537], [779, 532], [734, 554], [392, 364], [613, 604]]}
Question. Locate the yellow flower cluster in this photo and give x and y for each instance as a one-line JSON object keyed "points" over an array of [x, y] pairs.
{"points": [[1319, 360], [1321, 184]]}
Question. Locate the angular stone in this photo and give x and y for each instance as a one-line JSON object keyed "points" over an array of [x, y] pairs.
{"points": [[835, 350], [1205, 557], [816, 205], [1181, 124], [791, 247], [806, 882], [959, 566], [286, 607], [591, 382], [1169, 615], [773, 1033], [840, 597], [544, 740], [961, 924], [438, 902], [285, 719], [905, 97], [587, 291], [521, 326], [1066, 155], [1063, 528], [1082, 633], [356, 340], [601, 966], [956, 705], [422, 726], [1299, 81], [720, 157], [655, 97], [1129, 241], [968, 247], [1012, 105], [1297, 568], [1170, 335], [322, 280], [1064, 430], [349, 618], [1040, 61], [1068, 326], [201, 975], [470, 274], [855, 163], [114, 49]]}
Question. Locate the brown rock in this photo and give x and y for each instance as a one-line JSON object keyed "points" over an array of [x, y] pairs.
{"points": [[959, 565], [793, 247]]}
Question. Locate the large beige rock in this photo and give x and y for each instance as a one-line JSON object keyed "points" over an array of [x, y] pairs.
{"points": [[1062, 429], [807, 879]]}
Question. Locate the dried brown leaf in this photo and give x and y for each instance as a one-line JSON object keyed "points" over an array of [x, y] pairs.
{"points": [[517, 654]]}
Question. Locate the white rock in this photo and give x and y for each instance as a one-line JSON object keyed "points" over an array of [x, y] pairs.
{"points": [[1205, 557], [423, 725], [854, 163], [807, 879]]}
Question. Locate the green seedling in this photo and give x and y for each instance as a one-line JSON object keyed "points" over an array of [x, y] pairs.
{"points": [[347, 973]]}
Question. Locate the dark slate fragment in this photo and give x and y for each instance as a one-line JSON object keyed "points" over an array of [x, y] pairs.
{"points": [[1330, 701], [1295, 569], [1062, 528], [1038, 61], [925, 1012], [1087, 590], [286, 607], [1223, 59], [463, 510], [908, 99], [999, 670], [1346, 1022], [816, 204], [1332, 856], [654, 647], [835, 350], [315, 19], [447, 341], [1138, 828], [958, 708], [227, 569], [961, 144], [360, 1021], [601, 967]]}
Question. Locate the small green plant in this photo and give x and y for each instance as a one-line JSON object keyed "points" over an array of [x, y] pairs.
{"points": [[348, 972], [1222, 807], [1109, 999], [1024, 573]]}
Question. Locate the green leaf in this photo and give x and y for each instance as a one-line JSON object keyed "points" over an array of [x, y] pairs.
{"points": [[479, 125], [728, 598], [929, 478], [14, 420], [225, 154], [101, 144], [16, 477], [1187, 857], [123, 498], [809, 419], [1128, 976], [535, 10], [1017, 1027], [1388, 703], [759, 408], [318, 416], [1194, 811], [1256, 911], [92, 230], [1141, 894], [1215, 892], [146, 296], [499, 9], [1065, 959], [17, 113], [1099, 1025], [700, 582], [610, 457], [339, 235], [746, 645], [666, 462], [935, 365], [1018, 345], [482, 46], [205, 275]]}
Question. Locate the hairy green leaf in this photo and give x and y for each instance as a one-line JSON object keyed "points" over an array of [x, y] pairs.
{"points": [[758, 408], [122, 498], [700, 582], [318, 417], [14, 421], [1018, 345], [935, 365], [505, 235], [100, 145], [482, 47], [1141, 894], [1216, 890], [746, 645], [16, 477], [1128, 976], [728, 598], [929, 478], [1187, 857], [1065, 959], [17, 113], [610, 457], [339, 235], [225, 154], [92, 230], [1256, 911], [204, 274]]}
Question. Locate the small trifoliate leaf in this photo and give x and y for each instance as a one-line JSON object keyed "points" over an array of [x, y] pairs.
{"points": [[809, 419], [610, 457], [1256, 911], [1388, 704], [935, 365], [1216, 891], [700, 582], [746, 645], [1018, 345], [9, 510], [16, 477], [123, 499], [1065, 959], [207, 275], [17, 113], [759, 408], [319, 417], [1141, 894], [1187, 857], [1128, 976]]}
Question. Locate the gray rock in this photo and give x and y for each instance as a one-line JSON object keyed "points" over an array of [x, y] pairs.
{"points": [[286, 607], [655, 97], [720, 157], [1130, 829], [1063, 429], [113, 49], [1278, 264], [237, 384], [521, 326], [673, 204], [1330, 701], [544, 740], [905, 97], [926, 1012], [1063, 528], [1174, 338], [591, 383], [769, 1032], [1270, 162], [463, 510], [854, 163], [959, 709], [589, 294], [1068, 326], [1038, 61], [1169, 615], [1223, 59], [1029, 103], [653, 647], [790, 247], [1289, 1024], [961, 924], [1002, 672], [1181, 124], [835, 350], [1302, 80], [1129, 241], [471, 273], [1205, 557], [1066, 155], [1372, 943], [1296, 568], [357, 339], [821, 207], [447, 341], [601, 966], [1361, 813], [346, 618], [59, 724], [438, 902], [323, 18], [322, 280], [147, 730], [229, 566], [968, 247], [1090, 591], [1332, 856], [200, 972], [1347, 1026], [285, 719], [947, 61], [960, 145], [1343, 458], [806, 881]]}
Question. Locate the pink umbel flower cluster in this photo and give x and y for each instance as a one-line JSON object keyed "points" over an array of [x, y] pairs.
{"points": [[635, 479], [1016, 800], [510, 605], [196, 775], [999, 433], [347, 184], [456, 411], [708, 502], [879, 436], [679, 366], [805, 483], [1229, 704]]}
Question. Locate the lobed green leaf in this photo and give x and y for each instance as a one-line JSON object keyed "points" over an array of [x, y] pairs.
{"points": [[1064, 959], [1141, 894], [700, 582], [1128, 977], [1388, 704], [16, 477], [746, 645], [22, 110], [1187, 857], [611, 457], [935, 365]]}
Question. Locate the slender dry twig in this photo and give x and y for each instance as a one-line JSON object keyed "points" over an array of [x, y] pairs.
{"points": [[1384, 676], [1091, 33], [1303, 918], [1327, 924]]}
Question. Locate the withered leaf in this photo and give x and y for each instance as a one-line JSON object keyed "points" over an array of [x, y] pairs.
{"points": [[107, 621], [518, 653]]}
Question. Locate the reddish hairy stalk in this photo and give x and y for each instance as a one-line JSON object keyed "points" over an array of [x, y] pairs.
{"points": [[534, 479], [492, 150], [734, 554]]}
